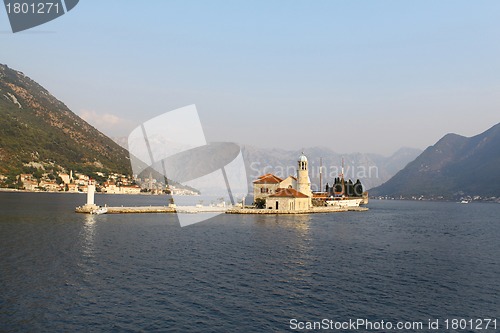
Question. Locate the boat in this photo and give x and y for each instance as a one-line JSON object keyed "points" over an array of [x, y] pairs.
{"points": [[344, 194], [99, 211], [342, 202], [464, 202]]}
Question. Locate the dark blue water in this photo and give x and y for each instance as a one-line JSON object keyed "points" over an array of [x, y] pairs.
{"points": [[400, 261]]}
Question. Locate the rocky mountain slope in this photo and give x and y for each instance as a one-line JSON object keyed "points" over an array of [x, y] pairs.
{"points": [[37, 127], [455, 166]]}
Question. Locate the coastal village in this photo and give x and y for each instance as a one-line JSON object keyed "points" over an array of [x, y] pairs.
{"points": [[76, 182]]}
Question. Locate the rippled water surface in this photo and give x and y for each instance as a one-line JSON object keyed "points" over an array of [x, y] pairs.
{"points": [[64, 272]]}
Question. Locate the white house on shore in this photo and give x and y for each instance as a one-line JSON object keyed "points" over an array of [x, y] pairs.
{"points": [[291, 193]]}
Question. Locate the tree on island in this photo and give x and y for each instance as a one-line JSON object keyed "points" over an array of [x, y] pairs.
{"points": [[260, 203]]}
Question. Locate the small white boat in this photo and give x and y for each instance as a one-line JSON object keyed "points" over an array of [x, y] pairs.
{"points": [[464, 202], [99, 211], [344, 202]]}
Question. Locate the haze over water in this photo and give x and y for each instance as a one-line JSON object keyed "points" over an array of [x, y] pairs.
{"points": [[401, 260]]}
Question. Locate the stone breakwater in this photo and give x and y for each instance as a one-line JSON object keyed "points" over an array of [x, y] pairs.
{"points": [[306, 211], [208, 209], [153, 209], [129, 210]]}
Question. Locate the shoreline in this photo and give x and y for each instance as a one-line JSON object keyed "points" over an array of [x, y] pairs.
{"points": [[13, 190]]}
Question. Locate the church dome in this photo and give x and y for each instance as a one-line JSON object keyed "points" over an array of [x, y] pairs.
{"points": [[302, 158]]}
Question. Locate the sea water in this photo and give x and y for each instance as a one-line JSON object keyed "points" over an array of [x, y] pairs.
{"points": [[401, 261]]}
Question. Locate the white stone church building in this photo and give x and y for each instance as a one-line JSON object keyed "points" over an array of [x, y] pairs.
{"points": [[291, 193]]}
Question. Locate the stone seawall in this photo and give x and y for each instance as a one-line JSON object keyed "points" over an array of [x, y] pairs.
{"points": [[137, 210], [154, 209], [313, 210], [264, 211], [130, 210], [204, 209]]}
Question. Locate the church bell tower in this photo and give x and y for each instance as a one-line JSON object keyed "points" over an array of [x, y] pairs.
{"points": [[303, 181]]}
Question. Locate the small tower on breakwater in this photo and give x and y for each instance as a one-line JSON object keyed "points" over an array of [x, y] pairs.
{"points": [[90, 194], [90, 205]]}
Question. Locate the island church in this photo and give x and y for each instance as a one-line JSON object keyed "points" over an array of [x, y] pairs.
{"points": [[291, 193]]}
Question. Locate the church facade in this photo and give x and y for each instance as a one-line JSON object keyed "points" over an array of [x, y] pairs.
{"points": [[291, 193]]}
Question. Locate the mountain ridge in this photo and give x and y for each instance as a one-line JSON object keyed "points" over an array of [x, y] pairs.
{"points": [[282, 162], [455, 165], [37, 127], [371, 169]]}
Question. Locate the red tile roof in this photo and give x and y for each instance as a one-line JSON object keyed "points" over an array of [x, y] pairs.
{"points": [[288, 193], [268, 179]]}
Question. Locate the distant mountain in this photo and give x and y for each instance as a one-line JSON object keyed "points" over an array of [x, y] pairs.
{"points": [[454, 166], [36, 127], [371, 169]]}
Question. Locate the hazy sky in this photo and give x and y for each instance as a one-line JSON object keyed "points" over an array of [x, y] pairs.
{"points": [[354, 76]]}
